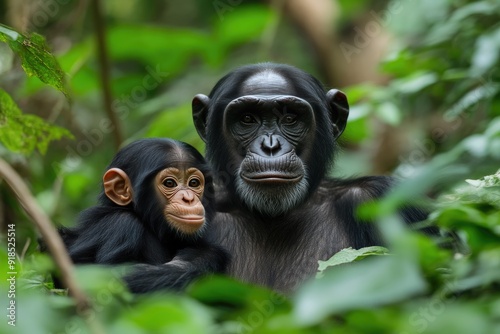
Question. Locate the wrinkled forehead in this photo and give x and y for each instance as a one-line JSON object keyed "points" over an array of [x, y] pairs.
{"points": [[180, 173], [179, 158], [266, 83]]}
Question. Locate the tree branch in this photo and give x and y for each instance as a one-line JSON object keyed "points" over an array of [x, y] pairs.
{"points": [[48, 232], [102, 54], [316, 19]]}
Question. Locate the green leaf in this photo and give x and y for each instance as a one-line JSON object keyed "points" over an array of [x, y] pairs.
{"points": [[487, 181], [373, 282], [358, 128], [221, 289], [250, 21], [242, 302], [358, 111], [348, 255], [486, 53], [471, 99], [25, 133], [389, 113], [415, 82], [358, 93], [165, 314], [176, 123], [475, 8], [36, 58], [166, 48], [493, 129], [7, 34], [6, 58], [479, 227]]}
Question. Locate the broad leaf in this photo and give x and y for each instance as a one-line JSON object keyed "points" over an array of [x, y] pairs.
{"points": [[373, 282], [487, 181], [348, 255], [415, 82], [25, 133], [36, 58]]}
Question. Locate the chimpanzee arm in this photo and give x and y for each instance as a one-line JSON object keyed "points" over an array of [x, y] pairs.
{"points": [[185, 267]]}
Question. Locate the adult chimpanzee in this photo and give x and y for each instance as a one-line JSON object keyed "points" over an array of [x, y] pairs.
{"points": [[156, 202], [270, 133]]}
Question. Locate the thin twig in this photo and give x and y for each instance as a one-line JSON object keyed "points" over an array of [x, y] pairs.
{"points": [[102, 53], [48, 232], [25, 249]]}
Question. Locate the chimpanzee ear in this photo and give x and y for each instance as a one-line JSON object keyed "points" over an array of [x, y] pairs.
{"points": [[339, 108], [117, 186], [200, 111]]}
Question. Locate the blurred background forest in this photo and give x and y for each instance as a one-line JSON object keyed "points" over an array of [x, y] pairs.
{"points": [[423, 81]]}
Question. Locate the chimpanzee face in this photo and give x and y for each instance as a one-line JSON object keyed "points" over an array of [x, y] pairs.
{"points": [[180, 192], [274, 134], [163, 181]]}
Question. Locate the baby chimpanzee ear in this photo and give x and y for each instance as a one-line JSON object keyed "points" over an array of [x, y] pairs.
{"points": [[117, 186]]}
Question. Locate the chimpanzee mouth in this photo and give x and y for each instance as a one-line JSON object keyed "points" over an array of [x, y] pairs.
{"points": [[271, 178], [188, 219], [285, 169]]}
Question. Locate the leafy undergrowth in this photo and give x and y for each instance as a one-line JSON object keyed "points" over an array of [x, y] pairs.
{"points": [[416, 287], [446, 69]]}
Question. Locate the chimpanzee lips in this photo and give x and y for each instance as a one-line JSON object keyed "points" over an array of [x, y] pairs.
{"points": [[187, 219], [272, 178], [191, 217], [284, 169]]}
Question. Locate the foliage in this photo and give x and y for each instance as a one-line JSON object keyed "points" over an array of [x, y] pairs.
{"points": [[23, 133], [35, 56], [449, 69], [444, 67], [348, 255]]}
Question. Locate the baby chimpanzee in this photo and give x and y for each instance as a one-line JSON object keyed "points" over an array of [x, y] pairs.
{"points": [[156, 201]]}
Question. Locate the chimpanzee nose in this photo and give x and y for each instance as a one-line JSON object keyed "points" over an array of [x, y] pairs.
{"points": [[187, 196], [270, 145]]}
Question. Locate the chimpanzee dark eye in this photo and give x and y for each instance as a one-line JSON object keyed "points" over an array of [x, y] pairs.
{"points": [[169, 183], [289, 119], [247, 119], [194, 183]]}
